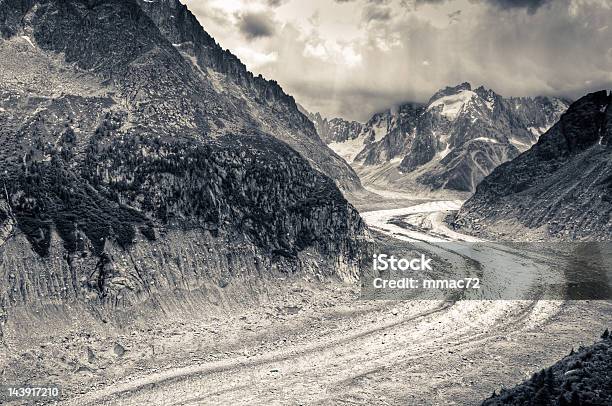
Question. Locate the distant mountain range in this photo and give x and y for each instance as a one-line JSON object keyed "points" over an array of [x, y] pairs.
{"points": [[452, 142], [560, 188]]}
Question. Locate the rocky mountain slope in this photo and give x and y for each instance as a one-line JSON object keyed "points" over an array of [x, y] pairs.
{"points": [[334, 130], [581, 378], [383, 137], [560, 188], [270, 108], [452, 142], [129, 174]]}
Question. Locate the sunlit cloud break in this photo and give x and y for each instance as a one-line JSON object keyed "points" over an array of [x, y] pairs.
{"points": [[354, 57]]}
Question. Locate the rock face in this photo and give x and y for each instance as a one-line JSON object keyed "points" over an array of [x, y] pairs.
{"points": [[128, 171], [334, 130], [560, 188], [453, 141], [391, 134], [384, 137], [273, 110]]}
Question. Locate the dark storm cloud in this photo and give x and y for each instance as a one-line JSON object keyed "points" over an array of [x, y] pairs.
{"points": [[256, 25], [530, 5]]}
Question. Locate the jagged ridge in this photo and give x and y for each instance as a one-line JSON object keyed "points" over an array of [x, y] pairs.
{"points": [[454, 141], [275, 111], [561, 187]]}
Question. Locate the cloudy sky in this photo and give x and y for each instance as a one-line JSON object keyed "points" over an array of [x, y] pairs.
{"points": [[350, 58]]}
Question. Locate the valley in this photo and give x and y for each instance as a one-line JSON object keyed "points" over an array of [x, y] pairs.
{"points": [[351, 351], [178, 230]]}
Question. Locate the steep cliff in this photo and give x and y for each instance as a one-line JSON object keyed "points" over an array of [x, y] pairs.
{"points": [[271, 109], [334, 130], [559, 188]]}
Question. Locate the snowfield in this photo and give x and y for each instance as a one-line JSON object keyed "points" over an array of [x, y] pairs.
{"points": [[453, 104], [349, 149]]}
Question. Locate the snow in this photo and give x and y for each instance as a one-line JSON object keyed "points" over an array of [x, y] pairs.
{"points": [[521, 146], [453, 104], [29, 40], [380, 130], [349, 149], [561, 107], [508, 272], [380, 220], [486, 139], [537, 131], [446, 151]]}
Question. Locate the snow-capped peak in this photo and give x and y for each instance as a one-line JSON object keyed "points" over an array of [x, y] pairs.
{"points": [[453, 104]]}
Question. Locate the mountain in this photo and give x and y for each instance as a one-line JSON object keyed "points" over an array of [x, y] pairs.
{"points": [[560, 188], [452, 142], [270, 109], [334, 130], [136, 164], [351, 139]]}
